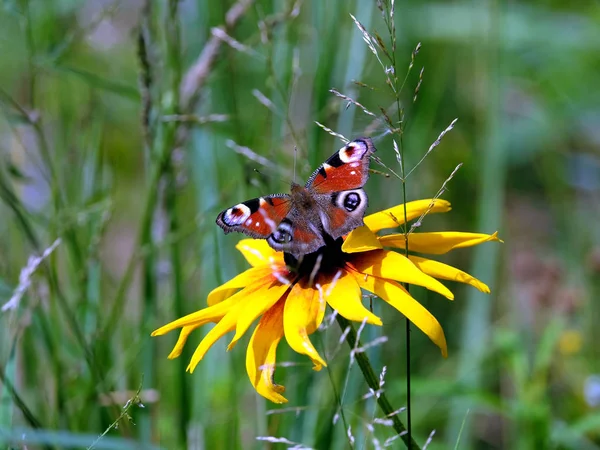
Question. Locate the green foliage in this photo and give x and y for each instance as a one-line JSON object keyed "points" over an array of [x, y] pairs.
{"points": [[119, 139]]}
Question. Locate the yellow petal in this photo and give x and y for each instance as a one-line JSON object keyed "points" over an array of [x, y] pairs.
{"points": [[343, 294], [396, 296], [301, 311], [258, 253], [224, 326], [183, 335], [232, 286], [260, 293], [445, 272], [439, 242], [261, 353], [392, 217], [361, 239], [394, 266], [316, 314], [211, 314], [257, 304]]}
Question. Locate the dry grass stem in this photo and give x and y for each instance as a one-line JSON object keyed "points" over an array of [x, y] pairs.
{"points": [[276, 440], [250, 154], [192, 118], [370, 41], [350, 435], [398, 411], [434, 145], [25, 277], [438, 194], [295, 409], [377, 341], [265, 101], [388, 442], [429, 439], [196, 76], [344, 139], [350, 100], [418, 84], [384, 422]]}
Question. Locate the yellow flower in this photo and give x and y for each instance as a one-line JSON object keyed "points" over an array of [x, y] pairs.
{"points": [[290, 296]]}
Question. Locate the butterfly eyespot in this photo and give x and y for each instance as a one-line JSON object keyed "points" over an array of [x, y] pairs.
{"points": [[353, 152], [283, 233], [352, 201], [236, 215], [282, 237]]}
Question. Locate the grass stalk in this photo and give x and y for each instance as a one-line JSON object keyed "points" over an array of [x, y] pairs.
{"points": [[8, 373], [164, 145], [355, 66], [192, 84], [373, 382], [398, 129], [174, 64], [10, 391], [49, 271]]}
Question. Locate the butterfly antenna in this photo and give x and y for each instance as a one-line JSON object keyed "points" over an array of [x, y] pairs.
{"points": [[295, 158]]}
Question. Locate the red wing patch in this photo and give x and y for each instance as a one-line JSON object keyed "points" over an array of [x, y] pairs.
{"points": [[305, 236], [258, 217], [347, 169], [337, 218]]}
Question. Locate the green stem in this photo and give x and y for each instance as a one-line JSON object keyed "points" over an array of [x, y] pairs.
{"points": [[49, 271], [373, 382], [174, 63], [397, 89]]}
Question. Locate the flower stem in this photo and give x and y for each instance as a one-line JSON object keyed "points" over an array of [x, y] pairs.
{"points": [[373, 382]]}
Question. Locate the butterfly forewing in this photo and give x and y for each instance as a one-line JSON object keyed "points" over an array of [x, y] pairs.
{"points": [[346, 169], [258, 217]]}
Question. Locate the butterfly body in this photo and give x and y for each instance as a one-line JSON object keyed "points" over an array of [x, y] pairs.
{"points": [[331, 204]]}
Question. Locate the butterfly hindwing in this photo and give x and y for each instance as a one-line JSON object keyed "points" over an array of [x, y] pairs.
{"points": [[299, 233], [342, 212], [258, 217]]}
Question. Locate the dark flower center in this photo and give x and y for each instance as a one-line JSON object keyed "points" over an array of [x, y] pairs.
{"points": [[327, 259]]}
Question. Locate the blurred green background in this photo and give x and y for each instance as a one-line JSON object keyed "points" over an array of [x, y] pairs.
{"points": [[122, 132]]}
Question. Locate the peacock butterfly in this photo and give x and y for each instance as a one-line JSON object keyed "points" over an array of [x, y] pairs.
{"points": [[331, 204]]}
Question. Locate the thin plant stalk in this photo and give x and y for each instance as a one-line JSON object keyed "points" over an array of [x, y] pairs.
{"points": [[173, 37], [394, 128], [397, 89], [373, 382], [191, 86]]}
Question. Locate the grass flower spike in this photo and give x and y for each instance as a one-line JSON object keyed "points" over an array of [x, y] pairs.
{"points": [[289, 296]]}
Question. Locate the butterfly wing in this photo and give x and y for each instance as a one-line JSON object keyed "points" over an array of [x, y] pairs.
{"points": [[300, 232], [258, 218], [342, 212], [336, 187], [332, 202], [347, 169], [275, 219]]}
